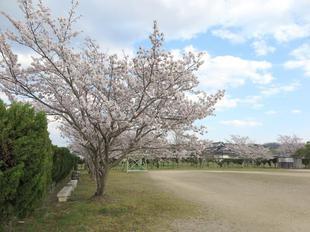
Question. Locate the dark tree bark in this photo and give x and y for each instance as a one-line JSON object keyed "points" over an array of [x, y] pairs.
{"points": [[101, 181]]}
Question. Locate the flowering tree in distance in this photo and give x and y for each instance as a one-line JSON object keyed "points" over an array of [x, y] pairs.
{"points": [[184, 145], [245, 148], [289, 144], [108, 106], [240, 145]]}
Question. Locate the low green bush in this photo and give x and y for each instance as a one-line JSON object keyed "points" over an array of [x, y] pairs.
{"points": [[63, 162]]}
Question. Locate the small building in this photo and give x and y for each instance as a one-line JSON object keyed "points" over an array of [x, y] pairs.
{"points": [[289, 162], [285, 162], [298, 163]]}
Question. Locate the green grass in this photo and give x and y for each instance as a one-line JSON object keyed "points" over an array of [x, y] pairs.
{"points": [[133, 203]]}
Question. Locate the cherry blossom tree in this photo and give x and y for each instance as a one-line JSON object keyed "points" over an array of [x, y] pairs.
{"points": [[180, 145], [190, 146], [177, 142], [261, 152], [108, 106], [240, 145], [289, 144], [244, 147], [183, 144]]}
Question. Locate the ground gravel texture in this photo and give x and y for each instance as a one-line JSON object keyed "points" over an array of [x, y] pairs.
{"points": [[241, 200]]}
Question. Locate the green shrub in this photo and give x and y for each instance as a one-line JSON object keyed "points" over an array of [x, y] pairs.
{"points": [[25, 159], [304, 153], [63, 162]]}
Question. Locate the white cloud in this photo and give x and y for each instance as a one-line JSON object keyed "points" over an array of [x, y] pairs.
{"points": [[220, 72], [261, 48], [241, 123], [25, 59], [120, 49], [296, 111], [253, 18], [302, 52], [302, 59], [253, 101], [232, 71], [285, 33], [181, 19], [276, 89], [271, 112], [227, 103], [4, 98], [226, 34], [55, 132]]}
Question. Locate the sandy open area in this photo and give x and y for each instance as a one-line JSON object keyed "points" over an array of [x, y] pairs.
{"points": [[242, 201]]}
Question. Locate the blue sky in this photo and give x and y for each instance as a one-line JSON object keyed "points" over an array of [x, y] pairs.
{"points": [[258, 51]]}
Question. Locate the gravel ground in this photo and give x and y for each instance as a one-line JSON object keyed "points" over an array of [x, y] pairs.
{"points": [[242, 200]]}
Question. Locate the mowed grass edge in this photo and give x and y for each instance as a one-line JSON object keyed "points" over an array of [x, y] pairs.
{"points": [[133, 203]]}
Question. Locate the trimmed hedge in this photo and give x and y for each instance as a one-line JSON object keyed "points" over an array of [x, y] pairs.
{"points": [[28, 161], [25, 159], [63, 162]]}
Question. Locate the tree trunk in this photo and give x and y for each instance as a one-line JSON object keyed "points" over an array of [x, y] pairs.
{"points": [[101, 180]]}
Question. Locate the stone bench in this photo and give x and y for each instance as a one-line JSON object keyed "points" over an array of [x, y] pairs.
{"points": [[72, 183], [64, 193]]}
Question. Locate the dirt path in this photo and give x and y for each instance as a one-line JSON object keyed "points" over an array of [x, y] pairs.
{"points": [[242, 201]]}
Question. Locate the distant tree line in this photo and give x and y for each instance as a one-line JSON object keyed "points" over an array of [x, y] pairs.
{"points": [[238, 151]]}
